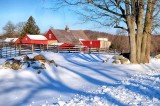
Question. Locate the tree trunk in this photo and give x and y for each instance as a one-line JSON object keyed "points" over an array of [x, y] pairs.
{"points": [[143, 50], [148, 49], [139, 46], [146, 41], [133, 55], [139, 23]]}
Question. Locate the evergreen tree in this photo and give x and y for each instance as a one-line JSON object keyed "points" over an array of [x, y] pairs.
{"points": [[30, 27]]}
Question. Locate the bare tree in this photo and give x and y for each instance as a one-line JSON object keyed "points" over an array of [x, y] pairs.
{"points": [[19, 27], [9, 28], [134, 16]]}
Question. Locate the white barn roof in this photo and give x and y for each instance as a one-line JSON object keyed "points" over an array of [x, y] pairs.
{"points": [[57, 44], [104, 39], [10, 39], [37, 37]]}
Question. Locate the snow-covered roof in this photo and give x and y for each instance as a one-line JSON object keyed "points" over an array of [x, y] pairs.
{"points": [[81, 39], [56, 44], [37, 37], [104, 39], [10, 39]]}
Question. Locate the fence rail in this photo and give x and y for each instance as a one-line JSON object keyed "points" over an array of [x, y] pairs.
{"points": [[23, 49]]}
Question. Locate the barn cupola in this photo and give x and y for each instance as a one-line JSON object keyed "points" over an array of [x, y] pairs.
{"points": [[67, 28]]}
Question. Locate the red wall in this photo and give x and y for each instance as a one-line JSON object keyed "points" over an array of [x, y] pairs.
{"points": [[17, 41], [95, 44], [24, 40], [52, 35], [29, 41], [92, 44], [66, 45], [86, 43]]}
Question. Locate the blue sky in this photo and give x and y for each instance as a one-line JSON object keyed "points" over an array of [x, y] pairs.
{"points": [[20, 10]]}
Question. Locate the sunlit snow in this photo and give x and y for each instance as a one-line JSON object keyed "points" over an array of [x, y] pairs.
{"points": [[81, 80]]}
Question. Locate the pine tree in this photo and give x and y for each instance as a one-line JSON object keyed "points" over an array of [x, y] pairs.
{"points": [[30, 27]]}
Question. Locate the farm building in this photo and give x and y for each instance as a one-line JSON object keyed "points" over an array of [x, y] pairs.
{"points": [[66, 36], [104, 43], [99, 43], [75, 37], [12, 40], [35, 39]]}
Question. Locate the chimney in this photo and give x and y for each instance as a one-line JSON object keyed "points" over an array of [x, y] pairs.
{"points": [[67, 28]]}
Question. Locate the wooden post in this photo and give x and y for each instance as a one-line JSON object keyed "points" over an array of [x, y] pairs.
{"points": [[10, 51], [15, 49], [32, 48], [80, 49], [69, 50], [20, 50], [1, 50], [6, 50], [47, 48], [98, 50], [40, 47], [1, 53], [57, 49], [43, 47], [89, 50]]}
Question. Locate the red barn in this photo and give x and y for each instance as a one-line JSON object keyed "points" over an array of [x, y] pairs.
{"points": [[75, 37], [35, 39], [50, 35], [66, 36]]}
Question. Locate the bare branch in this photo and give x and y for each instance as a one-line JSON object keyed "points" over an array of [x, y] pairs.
{"points": [[106, 9], [120, 27]]}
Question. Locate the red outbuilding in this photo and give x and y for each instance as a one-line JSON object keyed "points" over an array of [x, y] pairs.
{"points": [[12, 40], [95, 44], [65, 45], [91, 44], [35, 39]]}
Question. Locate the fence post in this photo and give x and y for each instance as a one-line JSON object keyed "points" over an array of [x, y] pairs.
{"points": [[10, 51], [98, 50], [2, 50], [1, 53], [80, 49], [15, 49], [89, 50], [32, 48], [47, 48], [57, 49], [6, 50], [69, 50], [20, 49]]}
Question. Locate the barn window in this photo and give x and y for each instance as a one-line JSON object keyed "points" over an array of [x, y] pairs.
{"points": [[50, 36]]}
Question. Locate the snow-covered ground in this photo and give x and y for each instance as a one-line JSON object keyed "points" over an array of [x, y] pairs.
{"points": [[81, 80]]}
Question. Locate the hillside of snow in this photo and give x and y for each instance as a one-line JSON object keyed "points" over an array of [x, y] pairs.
{"points": [[81, 80]]}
